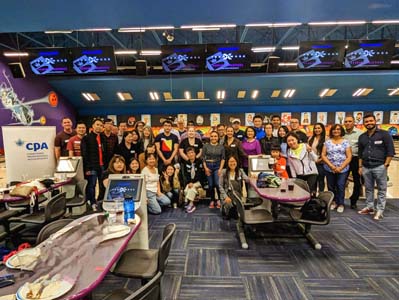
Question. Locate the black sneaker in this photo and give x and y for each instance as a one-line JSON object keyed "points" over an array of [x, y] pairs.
{"points": [[353, 206]]}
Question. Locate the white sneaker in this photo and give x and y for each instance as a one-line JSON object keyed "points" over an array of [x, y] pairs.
{"points": [[378, 216], [333, 206], [340, 209], [94, 207]]}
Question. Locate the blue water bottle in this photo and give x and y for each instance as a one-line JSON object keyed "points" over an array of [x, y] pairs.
{"points": [[128, 208]]}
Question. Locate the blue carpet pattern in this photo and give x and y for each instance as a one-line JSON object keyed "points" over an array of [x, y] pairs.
{"points": [[359, 259]]}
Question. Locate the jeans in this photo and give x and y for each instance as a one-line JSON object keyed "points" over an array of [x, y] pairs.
{"points": [[354, 168], [155, 202], [371, 176], [213, 180], [321, 177], [91, 184], [336, 184]]}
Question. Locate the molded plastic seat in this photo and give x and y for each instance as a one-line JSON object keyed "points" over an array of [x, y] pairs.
{"points": [[150, 291], [144, 264], [51, 228], [80, 196]]}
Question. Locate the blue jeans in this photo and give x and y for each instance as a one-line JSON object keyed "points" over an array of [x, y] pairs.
{"points": [[336, 184], [371, 176], [213, 180], [91, 184], [155, 202]]}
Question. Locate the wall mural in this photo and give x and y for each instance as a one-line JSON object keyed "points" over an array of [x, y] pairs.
{"points": [[30, 101]]}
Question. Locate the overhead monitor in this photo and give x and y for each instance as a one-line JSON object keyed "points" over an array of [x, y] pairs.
{"points": [[100, 60], [50, 61], [228, 57], [183, 58], [321, 55], [121, 185], [370, 54], [67, 165]]}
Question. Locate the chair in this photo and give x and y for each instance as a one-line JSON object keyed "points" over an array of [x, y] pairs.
{"points": [[305, 225], [249, 217], [51, 228], [145, 264], [80, 196], [302, 183], [150, 291], [53, 210]]}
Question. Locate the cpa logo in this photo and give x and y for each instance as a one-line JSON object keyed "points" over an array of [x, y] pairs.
{"points": [[34, 146]]}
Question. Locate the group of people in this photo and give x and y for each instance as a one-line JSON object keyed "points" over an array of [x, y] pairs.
{"points": [[179, 161]]}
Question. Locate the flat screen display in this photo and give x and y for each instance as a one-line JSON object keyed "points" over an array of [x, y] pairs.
{"points": [[99, 60], [228, 57], [49, 61], [119, 188], [369, 54], [67, 165], [259, 164], [321, 55], [180, 58]]}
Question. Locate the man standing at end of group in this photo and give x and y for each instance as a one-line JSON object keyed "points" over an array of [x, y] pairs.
{"points": [[62, 138], [167, 145], [352, 134], [92, 148], [375, 154]]}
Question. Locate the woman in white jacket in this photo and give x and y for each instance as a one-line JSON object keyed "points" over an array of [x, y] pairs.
{"points": [[302, 161]]}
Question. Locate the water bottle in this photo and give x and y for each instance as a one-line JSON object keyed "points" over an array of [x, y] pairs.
{"points": [[128, 208]]}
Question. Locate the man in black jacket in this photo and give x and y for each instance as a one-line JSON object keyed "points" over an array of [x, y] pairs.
{"points": [[92, 148], [193, 175]]}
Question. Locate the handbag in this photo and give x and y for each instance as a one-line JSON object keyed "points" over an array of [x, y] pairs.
{"points": [[22, 191]]}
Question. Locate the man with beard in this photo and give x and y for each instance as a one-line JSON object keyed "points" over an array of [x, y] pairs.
{"points": [[375, 154]]}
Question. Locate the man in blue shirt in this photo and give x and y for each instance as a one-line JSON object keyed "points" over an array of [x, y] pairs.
{"points": [[258, 125], [375, 153]]}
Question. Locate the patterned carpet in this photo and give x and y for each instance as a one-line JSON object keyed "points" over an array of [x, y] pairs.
{"points": [[359, 259]]}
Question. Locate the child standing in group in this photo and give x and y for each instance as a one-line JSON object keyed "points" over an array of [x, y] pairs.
{"points": [[280, 163]]}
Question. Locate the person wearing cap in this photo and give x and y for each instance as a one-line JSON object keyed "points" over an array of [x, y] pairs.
{"points": [[238, 133]]}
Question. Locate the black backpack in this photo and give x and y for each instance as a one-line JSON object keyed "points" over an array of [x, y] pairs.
{"points": [[314, 210]]}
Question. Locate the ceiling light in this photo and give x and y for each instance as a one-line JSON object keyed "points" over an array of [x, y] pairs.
{"points": [[124, 96], [154, 96], [263, 49], [150, 52], [159, 27], [241, 94], [95, 29], [287, 64], [91, 96], [13, 54], [327, 92], [290, 48], [322, 23], [187, 95], [395, 62], [201, 95], [385, 22], [221, 94], [289, 93], [167, 95], [58, 31], [206, 29], [337, 23], [209, 26], [393, 92], [254, 94], [285, 24], [131, 29], [259, 25], [275, 93], [125, 52], [362, 92]]}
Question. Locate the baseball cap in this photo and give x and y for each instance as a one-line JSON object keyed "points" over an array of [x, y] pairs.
{"points": [[235, 121]]}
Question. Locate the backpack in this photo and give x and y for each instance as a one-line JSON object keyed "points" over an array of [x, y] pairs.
{"points": [[314, 210], [266, 180]]}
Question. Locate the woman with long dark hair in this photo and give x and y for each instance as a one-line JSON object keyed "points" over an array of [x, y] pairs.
{"points": [[317, 142]]}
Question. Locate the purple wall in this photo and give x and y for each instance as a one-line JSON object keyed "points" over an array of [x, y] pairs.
{"points": [[29, 89]]}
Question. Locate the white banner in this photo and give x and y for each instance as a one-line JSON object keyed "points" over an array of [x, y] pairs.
{"points": [[29, 151]]}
